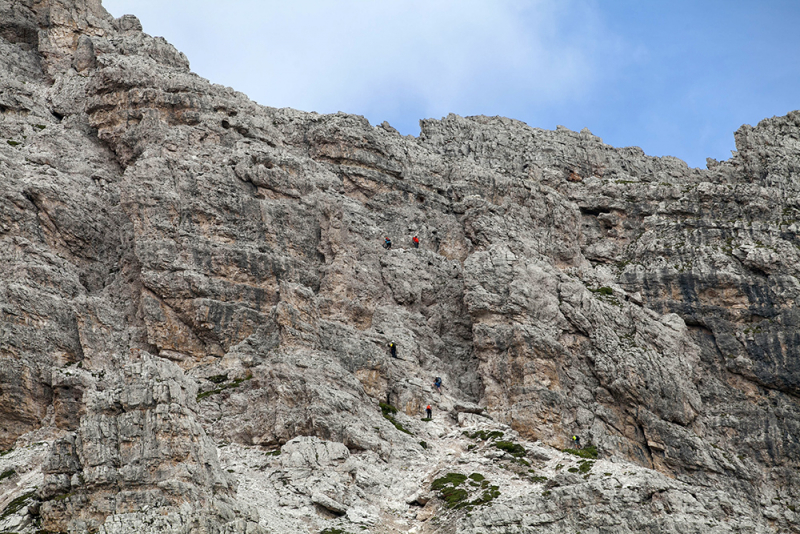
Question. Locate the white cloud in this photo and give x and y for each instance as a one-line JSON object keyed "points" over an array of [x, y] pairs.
{"points": [[379, 56]]}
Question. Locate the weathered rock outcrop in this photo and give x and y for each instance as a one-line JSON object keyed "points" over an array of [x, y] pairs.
{"points": [[190, 282]]}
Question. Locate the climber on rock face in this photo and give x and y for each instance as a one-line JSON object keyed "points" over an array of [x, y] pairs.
{"points": [[415, 240], [429, 412], [438, 384], [387, 243], [577, 442], [393, 349]]}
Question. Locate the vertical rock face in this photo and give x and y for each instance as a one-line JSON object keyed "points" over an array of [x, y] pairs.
{"points": [[183, 270]]}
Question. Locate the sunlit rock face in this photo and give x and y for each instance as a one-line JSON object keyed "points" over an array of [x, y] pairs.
{"points": [[190, 283]]}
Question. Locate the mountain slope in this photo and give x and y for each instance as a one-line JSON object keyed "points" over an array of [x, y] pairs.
{"points": [[191, 281]]}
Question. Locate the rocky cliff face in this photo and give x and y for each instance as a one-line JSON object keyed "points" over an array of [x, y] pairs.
{"points": [[196, 309]]}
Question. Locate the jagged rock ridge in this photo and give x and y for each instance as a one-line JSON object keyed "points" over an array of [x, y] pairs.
{"points": [[191, 281]]}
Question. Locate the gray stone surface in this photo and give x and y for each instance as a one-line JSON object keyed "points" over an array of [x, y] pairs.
{"points": [[190, 282]]}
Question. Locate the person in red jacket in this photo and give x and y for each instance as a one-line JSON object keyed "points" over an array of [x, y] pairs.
{"points": [[415, 240], [429, 411]]}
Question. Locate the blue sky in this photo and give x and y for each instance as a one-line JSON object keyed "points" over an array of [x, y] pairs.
{"points": [[675, 78]]}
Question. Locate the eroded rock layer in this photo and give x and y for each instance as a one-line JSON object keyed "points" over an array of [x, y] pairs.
{"points": [[191, 283]]}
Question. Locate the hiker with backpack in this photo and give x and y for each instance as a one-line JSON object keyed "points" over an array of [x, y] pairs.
{"points": [[393, 349], [415, 241], [438, 384], [387, 243], [429, 412]]}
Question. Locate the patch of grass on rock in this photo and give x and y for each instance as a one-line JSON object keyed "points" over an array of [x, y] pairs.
{"points": [[584, 466], [484, 435], [487, 496], [17, 504], [387, 408], [451, 479], [590, 451], [235, 384], [450, 490], [388, 412], [514, 449], [217, 379]]}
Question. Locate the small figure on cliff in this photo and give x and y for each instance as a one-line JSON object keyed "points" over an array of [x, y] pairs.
{"points": [[577, 442], [429, 412], [393, 349], [387, 243], [415, 240], [438, 384]]}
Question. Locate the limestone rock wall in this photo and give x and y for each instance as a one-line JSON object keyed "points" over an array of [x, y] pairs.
{"points": [[183, 269]]}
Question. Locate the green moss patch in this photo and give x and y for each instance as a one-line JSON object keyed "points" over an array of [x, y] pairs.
{"points": [[387, 408], [451, 479], [18, 504], [332, 530], [388, 412], [590, 451], [514, 449], [487, 496], [584, 466], [235, 384], [606, 294], [217, 379], [7, 474], [455, 498], [484, 435], [452, 490], [13, 143], [423, 444]]}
